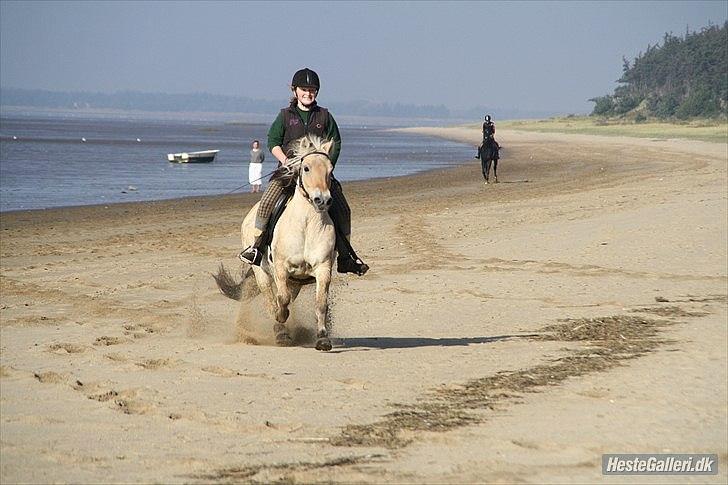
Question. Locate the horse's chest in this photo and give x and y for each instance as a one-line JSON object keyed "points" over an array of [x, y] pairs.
{"points": [[307, 258], [304, 245], [299, 268], [302, 256]]}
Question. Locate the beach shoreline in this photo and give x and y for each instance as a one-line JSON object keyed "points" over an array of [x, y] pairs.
{"points": [[121, 161], [120, 361], [241, 197]]}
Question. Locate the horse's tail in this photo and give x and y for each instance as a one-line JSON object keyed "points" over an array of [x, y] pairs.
{"points": [[228, 285]]}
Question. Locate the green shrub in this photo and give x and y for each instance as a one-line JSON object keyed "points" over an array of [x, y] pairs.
{"points": [[698, 103], [604, 105]]}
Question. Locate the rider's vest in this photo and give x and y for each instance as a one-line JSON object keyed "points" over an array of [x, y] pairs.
{"points": [[488, 130], [318, 124]]}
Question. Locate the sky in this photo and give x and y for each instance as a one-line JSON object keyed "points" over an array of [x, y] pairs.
{"points": [[543, 56]]}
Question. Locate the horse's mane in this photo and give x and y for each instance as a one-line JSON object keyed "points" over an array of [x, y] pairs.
{"points": [[301, 147]]}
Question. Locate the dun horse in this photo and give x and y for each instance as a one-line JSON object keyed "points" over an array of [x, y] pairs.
{"points": [[303, 242]]}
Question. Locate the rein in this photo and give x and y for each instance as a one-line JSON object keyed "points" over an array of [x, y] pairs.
{"points": [[294, 161]]}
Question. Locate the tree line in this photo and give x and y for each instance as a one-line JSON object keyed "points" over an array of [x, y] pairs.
{"points": [[683, 78], [132, 100]]}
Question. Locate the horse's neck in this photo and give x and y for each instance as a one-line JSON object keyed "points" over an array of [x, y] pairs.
{"points": [[299, 200], [304, 211]]}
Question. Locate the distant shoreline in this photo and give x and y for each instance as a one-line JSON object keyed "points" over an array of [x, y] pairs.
{"points": [[214, 116], [151, 101]]}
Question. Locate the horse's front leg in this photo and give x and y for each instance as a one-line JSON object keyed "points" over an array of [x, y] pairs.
{"points": [[483, 169], [495, 170], [323, 280], [283, 299]]}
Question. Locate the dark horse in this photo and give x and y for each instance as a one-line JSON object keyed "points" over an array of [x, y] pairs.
{"points": [[488, 152]]}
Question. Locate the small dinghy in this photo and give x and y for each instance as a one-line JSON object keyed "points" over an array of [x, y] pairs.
{"points": [[206, 156]]}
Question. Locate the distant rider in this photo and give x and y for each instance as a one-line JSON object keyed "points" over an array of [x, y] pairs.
{"points": [[303, 117], [489, 131]]}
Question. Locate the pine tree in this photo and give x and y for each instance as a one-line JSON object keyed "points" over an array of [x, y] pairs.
{"points": [[684, 77]]}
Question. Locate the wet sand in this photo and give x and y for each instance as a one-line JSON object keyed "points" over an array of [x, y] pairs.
{"points": [[509, 332]]}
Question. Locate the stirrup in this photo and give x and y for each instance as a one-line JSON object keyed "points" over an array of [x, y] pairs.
{"points": [[251, 255]]}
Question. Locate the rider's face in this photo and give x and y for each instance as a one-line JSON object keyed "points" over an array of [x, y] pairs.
{"points": [[306, 96]]}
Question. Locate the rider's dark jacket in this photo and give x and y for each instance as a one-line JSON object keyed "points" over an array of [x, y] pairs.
{"points": [[488, 129], [293, 123]]}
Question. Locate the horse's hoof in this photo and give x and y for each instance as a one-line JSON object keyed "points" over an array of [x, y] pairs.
{"points": [[284, 340], [282, 315], [323, 344]]}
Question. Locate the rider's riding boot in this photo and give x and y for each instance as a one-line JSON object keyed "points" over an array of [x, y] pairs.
{"points": [[253, 254], [347, 261], [350, 264]]}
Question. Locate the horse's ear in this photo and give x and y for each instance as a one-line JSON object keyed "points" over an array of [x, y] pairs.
{"points": [[327, 146]]}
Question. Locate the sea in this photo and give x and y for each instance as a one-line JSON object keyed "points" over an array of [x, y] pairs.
{"points": [[64, 158]]}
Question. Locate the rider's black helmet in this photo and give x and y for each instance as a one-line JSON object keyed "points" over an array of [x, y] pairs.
{"points": [[487, 117], [306, 78]]}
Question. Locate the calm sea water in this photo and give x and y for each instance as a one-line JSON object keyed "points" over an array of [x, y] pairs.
{"points": [[47, 164]]}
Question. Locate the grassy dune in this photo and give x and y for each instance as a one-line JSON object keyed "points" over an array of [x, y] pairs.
{"points": [[705, 130]]}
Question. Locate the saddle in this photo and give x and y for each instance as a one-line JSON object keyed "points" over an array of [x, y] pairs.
{"points": [[488, 144], [278, 209]]}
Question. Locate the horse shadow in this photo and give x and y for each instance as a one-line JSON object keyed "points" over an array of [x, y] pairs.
{"points": [[349, 344]]}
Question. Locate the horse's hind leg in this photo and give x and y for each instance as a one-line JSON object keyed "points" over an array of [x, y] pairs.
{"points": [[323, 280], [295, 289], [265, 283]]}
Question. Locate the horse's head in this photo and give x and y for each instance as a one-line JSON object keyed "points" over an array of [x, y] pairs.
{"points": [[314, 171]]}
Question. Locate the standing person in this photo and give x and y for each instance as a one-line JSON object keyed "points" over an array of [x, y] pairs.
{"points": [[255, 170], [303, 117]]}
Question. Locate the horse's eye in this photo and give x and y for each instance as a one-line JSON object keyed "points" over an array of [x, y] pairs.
{"points": [[306, 169]]}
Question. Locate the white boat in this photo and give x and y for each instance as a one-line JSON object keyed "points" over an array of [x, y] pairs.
{"points": [[206, 156]]}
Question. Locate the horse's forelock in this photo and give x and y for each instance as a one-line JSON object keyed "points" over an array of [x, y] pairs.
{"points": [[308, 144]]}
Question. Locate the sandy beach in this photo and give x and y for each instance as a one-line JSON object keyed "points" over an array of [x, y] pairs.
{"points": [[509, 332]]}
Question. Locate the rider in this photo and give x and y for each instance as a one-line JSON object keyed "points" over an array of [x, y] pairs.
{"points": [[489, 131], [304, 116]]}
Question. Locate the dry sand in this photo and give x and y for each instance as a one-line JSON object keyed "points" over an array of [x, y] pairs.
{"points": [[505, 333]]}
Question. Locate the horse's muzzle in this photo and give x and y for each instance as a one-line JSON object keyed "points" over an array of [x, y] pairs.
{"points": [[321, 201]]}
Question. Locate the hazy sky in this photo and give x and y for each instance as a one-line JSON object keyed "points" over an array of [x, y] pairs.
{"points": [[523, 55]]}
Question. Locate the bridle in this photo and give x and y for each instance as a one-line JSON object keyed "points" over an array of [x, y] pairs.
{"points": [[300, 173]]}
